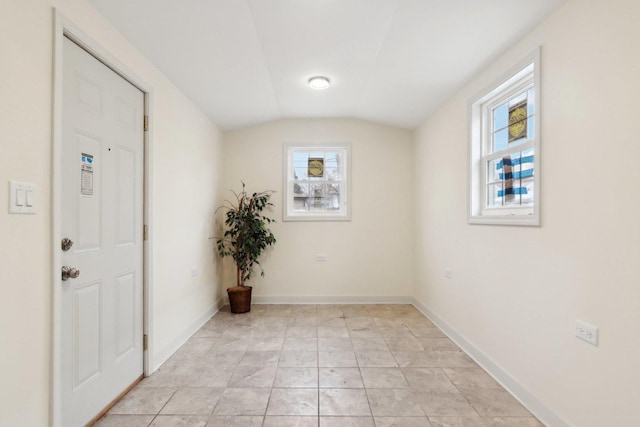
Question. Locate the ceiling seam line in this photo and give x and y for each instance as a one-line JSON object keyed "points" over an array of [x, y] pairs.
{"points": [[264, 58], [376, 58]]}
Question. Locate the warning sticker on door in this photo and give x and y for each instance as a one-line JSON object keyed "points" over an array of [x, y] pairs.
{"points": [[86, 175]]}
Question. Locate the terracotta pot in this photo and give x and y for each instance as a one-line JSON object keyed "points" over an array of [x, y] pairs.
{"points": [[239, 299]]}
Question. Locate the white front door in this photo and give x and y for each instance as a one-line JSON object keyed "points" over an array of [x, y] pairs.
{"points": [[102, 208]]}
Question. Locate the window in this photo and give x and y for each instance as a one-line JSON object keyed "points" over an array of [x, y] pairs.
{"points": [[316, 182], [505, 153]]}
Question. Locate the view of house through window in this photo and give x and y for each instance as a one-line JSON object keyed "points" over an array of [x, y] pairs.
{"points": [[316, 182]]}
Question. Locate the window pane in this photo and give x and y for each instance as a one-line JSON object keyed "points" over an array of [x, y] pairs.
{"points": [[300, 194], [493, 200], [500, 117], [527, 198], [500, 139]]}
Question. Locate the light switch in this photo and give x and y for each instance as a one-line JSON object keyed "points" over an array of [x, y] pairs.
{"points": [[22, 197]]}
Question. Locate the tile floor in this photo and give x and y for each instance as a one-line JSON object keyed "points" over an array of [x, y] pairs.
{"points": [[319, 365]]}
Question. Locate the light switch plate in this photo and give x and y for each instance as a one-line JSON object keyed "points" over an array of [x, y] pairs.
{"points": [[25, 188]]}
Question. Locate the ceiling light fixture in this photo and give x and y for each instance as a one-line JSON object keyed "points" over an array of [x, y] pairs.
{"points": [[319, 82]]}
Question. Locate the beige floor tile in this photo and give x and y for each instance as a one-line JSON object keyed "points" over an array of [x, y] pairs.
{"points": [[426, 331], [433, 380], [369, 344], [344, 401], [260, 358], [300, 344], [293, 401], [434, 344], [512, 422], [335, 344], [243, 401], [355, 322], [337, 359], [267, 331], [226, 344], [402, 422], [396, 331], [364, 332], [340, 378], [333, 332], [471, 377], [207, 333], [296, 377], [474, 421], [302, 321], [170, 376], [266, 344], [383, 378], [143, 400], [346, 422], [298, 359], [114, 420], [179, 421], [332, 322], [302, 331], [393, 402], [194, 401], [375, 359], [439, 359], [242, 332], [444, 403], [235, 421], [327, 365], [493, 402], [209, 375], [252, 376], [223, 358], [289, 421], [403, 344]]}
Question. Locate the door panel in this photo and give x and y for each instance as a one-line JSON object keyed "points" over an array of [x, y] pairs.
{"points": [[102, 199]]}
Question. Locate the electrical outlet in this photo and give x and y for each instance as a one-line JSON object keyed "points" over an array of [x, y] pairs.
{"points": [[447, 273], [586, 332], [194, 271]]}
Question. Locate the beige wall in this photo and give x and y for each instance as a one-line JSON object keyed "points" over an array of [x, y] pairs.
{"points": [[369, 256], [186, 160], [516, 291]]}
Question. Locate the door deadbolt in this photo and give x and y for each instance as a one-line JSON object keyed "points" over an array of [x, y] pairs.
{"points": [[66, 244], [69, 272]]}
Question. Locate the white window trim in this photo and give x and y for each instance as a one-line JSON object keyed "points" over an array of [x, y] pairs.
{"points": [[477, 212], [345, 212]]}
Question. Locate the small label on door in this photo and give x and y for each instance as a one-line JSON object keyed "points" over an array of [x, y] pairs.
{"points": [[86, 175]]}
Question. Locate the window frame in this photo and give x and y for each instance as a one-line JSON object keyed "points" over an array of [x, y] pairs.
{"points": [[524, 75], [344, 214]]}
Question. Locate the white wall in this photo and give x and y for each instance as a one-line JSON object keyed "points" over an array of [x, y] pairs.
{"points": [[516, 291], [370, 256], [186, 160]]}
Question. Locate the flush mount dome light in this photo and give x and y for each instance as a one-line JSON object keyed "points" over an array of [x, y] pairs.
{"points": [[319, 82]]}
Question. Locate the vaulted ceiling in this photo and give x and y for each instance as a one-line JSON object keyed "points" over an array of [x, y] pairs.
{"points": [[389, 61]]}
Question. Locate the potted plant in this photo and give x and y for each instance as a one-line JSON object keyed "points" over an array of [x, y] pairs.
{"points": [[245, 236]]}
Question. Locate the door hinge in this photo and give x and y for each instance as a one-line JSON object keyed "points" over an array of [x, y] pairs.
{"points": [[145, 232], [146, 123], [145, 342]]}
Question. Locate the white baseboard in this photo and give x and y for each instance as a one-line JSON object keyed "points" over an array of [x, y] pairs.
{"points": [[163, 355], [537, 408], [392, 299]]}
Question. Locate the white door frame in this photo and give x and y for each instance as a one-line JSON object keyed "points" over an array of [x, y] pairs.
{"points": [[63, 27]]}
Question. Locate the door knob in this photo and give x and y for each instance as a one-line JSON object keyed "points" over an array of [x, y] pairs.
{"points": [[69, 272]]}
